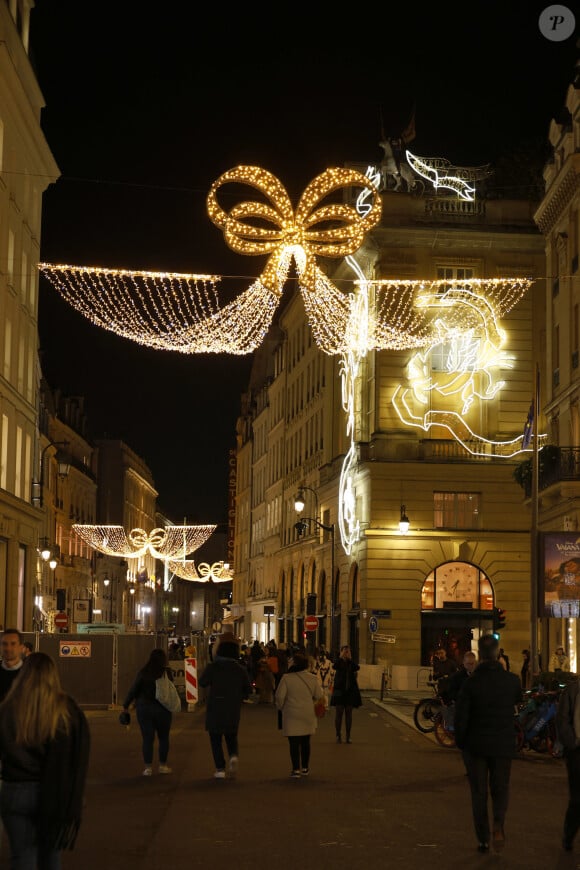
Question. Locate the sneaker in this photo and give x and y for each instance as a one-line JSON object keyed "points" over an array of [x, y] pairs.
{"points": [[148, 771], [295, 774], [305, 771], [220, 774], [163, 768], [233, 766], [483, 847]]}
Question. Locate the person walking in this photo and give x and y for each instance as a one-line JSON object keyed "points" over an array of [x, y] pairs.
{"points": [[457, 679], [484, 731], [345, 692], [229, 685], [568, 727], [503, 659], [295, 696], [323, 669], [153, 717], [524, 673], [12, 652], [44, 753]]}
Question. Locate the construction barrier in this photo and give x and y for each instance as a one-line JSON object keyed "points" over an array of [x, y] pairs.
{"points": [[191, 693]]}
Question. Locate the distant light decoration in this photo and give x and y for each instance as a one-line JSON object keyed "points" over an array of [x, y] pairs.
{"points": [[167, 543], [217, 572], [180, 312], [429, 168]]}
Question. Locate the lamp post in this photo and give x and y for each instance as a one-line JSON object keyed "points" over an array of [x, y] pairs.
{"points": [[300, 527], [108, 596]]}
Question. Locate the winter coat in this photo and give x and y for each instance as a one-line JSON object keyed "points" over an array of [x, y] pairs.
{"points": [[485, 710], [229, 685], [345, 690], [295, 696]]}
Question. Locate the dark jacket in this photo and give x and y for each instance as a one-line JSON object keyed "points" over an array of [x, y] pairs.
{"points": [[229, 685], [454, 684], [345, 690], [7, 677], [143, 689], [60, 767], [485, 709], [565, 717]]}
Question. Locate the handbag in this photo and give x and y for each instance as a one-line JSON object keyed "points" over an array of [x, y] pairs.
{"points": [[320, 708], [167, 694]]}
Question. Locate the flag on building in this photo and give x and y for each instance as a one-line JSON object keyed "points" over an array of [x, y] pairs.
{"points": [[528, 429]]}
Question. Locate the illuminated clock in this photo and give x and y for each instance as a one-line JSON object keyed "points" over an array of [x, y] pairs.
{"points": [[456, 582]]}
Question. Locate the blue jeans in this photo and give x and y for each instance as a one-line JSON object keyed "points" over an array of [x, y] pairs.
{"points": [[154, 719], [18, 805]]}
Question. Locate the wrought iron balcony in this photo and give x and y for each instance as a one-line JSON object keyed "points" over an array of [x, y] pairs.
{"points": [[556, 464]]}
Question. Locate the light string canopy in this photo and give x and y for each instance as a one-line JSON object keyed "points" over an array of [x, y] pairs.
{"points": [[180, 312], [186, 569], [164, 544]]}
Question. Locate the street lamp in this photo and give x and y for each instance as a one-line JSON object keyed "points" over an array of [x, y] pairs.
{"points": [[404, 521], [301, 527]]}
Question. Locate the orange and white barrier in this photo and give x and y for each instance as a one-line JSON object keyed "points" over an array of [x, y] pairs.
{"points": [[191, 693]]}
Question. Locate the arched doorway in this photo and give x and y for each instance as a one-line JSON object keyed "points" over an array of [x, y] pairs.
{"points": [[457, 602]]}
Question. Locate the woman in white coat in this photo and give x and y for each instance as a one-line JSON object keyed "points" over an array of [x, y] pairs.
{"points": [[295, 696]]}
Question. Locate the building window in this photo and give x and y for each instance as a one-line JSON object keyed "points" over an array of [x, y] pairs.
{"points": [[456, 510]]}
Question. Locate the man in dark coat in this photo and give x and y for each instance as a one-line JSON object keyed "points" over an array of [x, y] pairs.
{"points": [[484, 731], [229, 685], [568, 723]]}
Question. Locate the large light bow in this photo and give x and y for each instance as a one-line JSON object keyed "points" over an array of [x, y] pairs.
{"points": [[314, 230]]}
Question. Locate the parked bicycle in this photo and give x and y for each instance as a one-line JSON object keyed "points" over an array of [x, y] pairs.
{"points": [[537, 721]]}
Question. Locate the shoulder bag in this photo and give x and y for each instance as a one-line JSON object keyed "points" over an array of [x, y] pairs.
{"points": [[319, 706], [167, 694]]}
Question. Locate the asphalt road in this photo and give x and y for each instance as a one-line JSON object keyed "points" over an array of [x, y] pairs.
{"points": [[393, 798]]}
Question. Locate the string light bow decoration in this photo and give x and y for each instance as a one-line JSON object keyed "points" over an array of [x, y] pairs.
{"points": [[164, 544], [217, 572], [180, 312]]}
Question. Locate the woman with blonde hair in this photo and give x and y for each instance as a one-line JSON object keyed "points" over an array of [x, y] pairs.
{"points": [[44, 753]]}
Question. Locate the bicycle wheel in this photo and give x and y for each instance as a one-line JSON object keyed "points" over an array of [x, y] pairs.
{"points": [[443, 735], [424, 714]]}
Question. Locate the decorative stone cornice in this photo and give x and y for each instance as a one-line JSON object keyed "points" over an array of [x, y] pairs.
{"points": [[558, 196]]}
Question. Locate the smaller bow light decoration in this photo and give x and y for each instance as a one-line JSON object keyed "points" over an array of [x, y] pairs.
{"points": [[181, 312], [218, 572]]}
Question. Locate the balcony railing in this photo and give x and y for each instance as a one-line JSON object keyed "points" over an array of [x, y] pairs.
{"points": [[557, 465]]}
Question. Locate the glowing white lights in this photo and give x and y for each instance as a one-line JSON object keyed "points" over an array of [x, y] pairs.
{"points": [[164, 544], [429, 169], [217, 572]]}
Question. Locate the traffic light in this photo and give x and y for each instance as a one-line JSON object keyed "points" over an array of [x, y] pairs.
{"points": [[498, 620]]}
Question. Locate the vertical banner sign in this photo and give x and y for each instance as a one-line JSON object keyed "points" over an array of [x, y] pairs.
{"points": [[191, 693], [232, 482]]}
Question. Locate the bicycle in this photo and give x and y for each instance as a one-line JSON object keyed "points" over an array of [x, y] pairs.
{"points": [[426, 711]]}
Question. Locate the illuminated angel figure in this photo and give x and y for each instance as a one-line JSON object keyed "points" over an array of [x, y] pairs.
{"points": [[459, 359]]}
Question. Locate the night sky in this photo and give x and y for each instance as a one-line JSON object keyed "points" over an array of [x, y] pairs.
{"points": [[148, 105]]}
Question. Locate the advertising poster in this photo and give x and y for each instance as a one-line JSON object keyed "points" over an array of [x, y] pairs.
{"points": [[560, 595]]}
